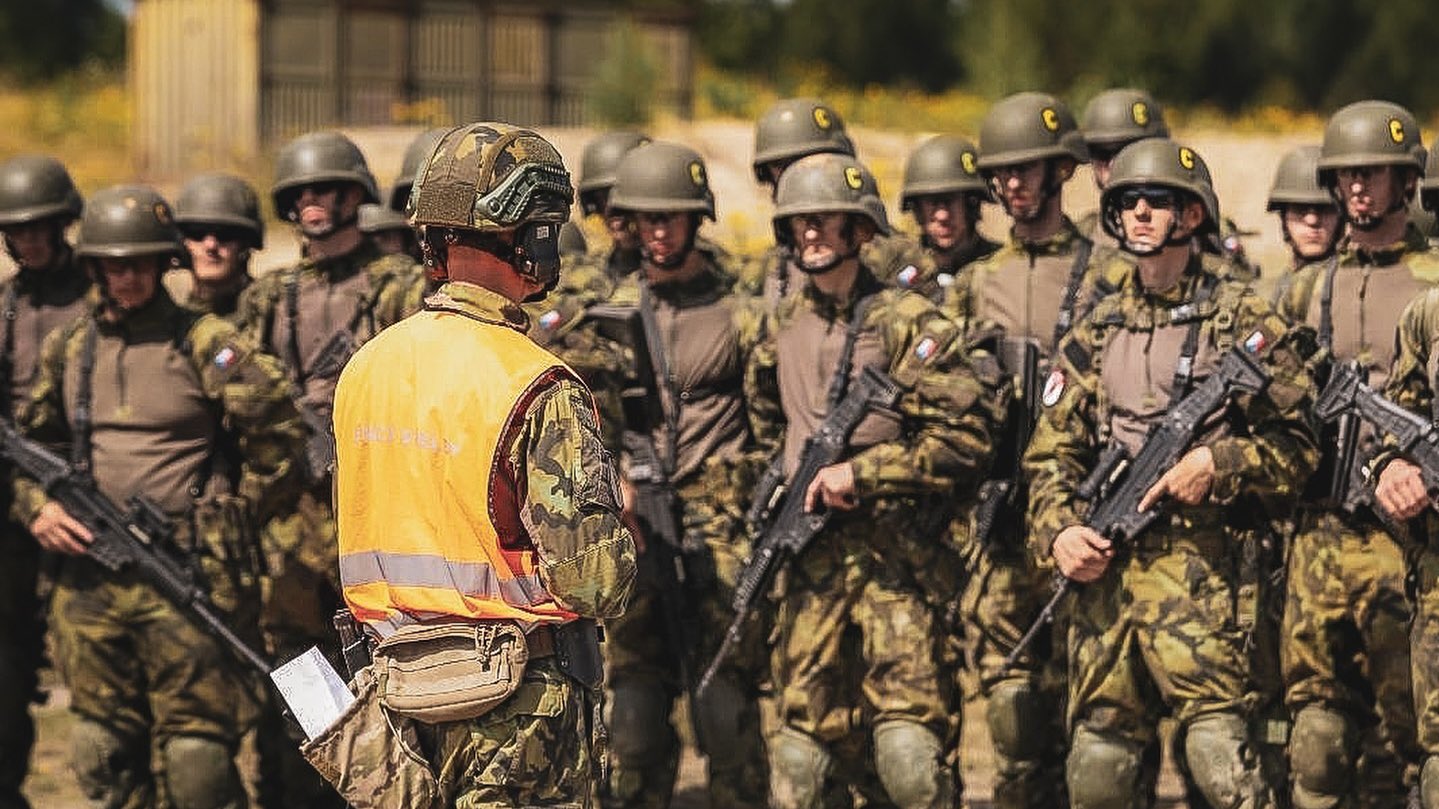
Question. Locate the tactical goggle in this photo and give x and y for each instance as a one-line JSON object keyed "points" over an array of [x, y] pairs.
{"points": [[1156, 198]]}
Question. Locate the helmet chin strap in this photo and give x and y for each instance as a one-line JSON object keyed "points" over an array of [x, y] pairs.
{"points": [[838, 258]]}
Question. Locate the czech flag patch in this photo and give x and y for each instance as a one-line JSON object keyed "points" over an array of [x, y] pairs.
{"points": [[1256, 342], [550, 319], [907, 275], [925, 348], [225, 358]]}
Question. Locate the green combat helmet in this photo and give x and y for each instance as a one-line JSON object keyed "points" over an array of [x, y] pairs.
{"points": [[1159, 162], [1116, 118], [662, 177], [319, 157], [126, 221], [221, 199], [598, 164], [380, 219], [827, 183], [944, 164], [35, 187], [1429, 186], [419, 149], [1026, 127], [490, 177], [1370, 133], [794, 128], [1296, 181]]}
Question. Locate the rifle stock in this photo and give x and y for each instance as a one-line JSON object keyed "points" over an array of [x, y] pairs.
{"points": [[1415, 437]]}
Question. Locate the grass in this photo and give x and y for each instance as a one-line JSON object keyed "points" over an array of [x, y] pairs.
{"points": [[83, 119]]}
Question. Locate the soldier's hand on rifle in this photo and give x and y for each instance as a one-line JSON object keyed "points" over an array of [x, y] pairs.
{"points": [[627, 514], [1189, 481], [1081, 553], [58, 532], [1401, 490], [832, 486]]}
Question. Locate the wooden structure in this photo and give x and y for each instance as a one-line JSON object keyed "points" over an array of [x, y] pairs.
{"points": [[216, 82]]}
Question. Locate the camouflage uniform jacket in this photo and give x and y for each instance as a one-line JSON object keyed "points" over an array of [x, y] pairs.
{"points": [[35, 303], [564, 477], [936, 440], [363, 291], [949, 263], [1111, 267], [1269, 448], [195, 383], [898, 260]]}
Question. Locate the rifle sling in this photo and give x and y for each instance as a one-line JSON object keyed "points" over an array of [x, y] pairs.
{"points": [[1184, 368], [840, 382], [1071, 289], [7, 360], [364, 310], [664, 377], [1326, 304]]}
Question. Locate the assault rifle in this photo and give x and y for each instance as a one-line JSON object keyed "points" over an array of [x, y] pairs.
{"points": [[779, 509], [1118, 482], [1339, 482], [139, 537], [997, 496], [655, 502], [320, 447], [1415, 436]]}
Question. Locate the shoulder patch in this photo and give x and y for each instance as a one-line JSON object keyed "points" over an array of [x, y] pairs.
{"points": [[225, 357], [907, 276], [549, 320], [925, 348], [1053, 388], [1256, 342]]}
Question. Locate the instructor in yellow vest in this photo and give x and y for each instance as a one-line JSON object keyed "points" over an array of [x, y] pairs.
{"points": [[479, 514]]}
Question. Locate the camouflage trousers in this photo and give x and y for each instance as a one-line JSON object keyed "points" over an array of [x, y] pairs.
{"points": [[1345, 650], [839, 597], [142, 676], [643, 679], [301, 593], [21, 651], [1002, 597], [1425, 647], [1158, 634]]}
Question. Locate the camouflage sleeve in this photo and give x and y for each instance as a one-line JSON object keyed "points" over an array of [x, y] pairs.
{"points": [[1410, 377], [903, 262], [1064, 445], [1280, 449], [253, 392], [761, 392], [1294, 305], [569, 491], [404, 295], [43, 416], [956, 303], [255, 308], [948, 406], [749, 272]]}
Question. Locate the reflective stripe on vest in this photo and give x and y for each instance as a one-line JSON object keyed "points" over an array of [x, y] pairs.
{"points": [[421, 417]]}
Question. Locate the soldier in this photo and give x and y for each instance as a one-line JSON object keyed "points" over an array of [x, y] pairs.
{"points": [[1346, 615], [704, 332], [160, 401], [1425, 217], [877, 568], [342, 292], [1308, 216], [503, 540], [597, 176], [1161, 631], [37, 202], [389, 231], [419, 150], [789, 130], [943, 190], [1027, 291], [219, 217]]}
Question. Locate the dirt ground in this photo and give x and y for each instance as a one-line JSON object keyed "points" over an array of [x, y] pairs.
{"points": [[1242, 166]]}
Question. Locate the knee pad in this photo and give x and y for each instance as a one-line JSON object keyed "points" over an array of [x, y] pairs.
{"points": [[908, 757], [1102, 771], [1017, 719], [107, 766], [1429, 783], [200, 774], [639, 724], [1321, 757], [1216, 754], [722, 711], [799, 766]]}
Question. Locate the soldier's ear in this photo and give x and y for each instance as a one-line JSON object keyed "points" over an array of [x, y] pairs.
{"points": [[1192, 215]]}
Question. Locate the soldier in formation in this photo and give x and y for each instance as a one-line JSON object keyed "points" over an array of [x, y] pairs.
{"points": [[219, 218], [1309, 220], [943, 191]]}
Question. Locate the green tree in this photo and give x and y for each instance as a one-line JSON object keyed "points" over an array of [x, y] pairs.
{"points": [[46, 38]]}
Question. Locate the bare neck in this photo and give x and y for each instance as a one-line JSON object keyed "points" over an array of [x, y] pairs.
{"points": [[838, 282], [1049, 222], [1161, 272], [1390, 230]]}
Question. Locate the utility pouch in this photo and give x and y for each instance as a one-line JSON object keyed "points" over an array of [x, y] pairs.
{"points": [[367, 759], [227, 549], [577, 652], [450, 672]]}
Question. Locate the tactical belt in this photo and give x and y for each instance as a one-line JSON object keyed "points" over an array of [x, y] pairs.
{"points": [[1202, 529]]}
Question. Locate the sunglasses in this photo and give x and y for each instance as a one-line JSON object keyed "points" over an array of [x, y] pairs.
{"points": [[222, 233], [1156, 198]]}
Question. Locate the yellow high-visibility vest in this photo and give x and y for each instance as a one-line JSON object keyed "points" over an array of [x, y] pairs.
{"points": [[429, 525]]}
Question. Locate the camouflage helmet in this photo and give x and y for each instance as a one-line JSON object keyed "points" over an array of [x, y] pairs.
{"points": [[34, 187], [416, 153], [1159, 162], [221, 199], [380, 219], [1429, 186], [491, 176], [599, 162], [1116, 118], [129, 220], [827, 183], [796, 127], [662, 177], [1029, 126], [944, 164], [1296, 181], [319, 157], [1370, 133]]}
